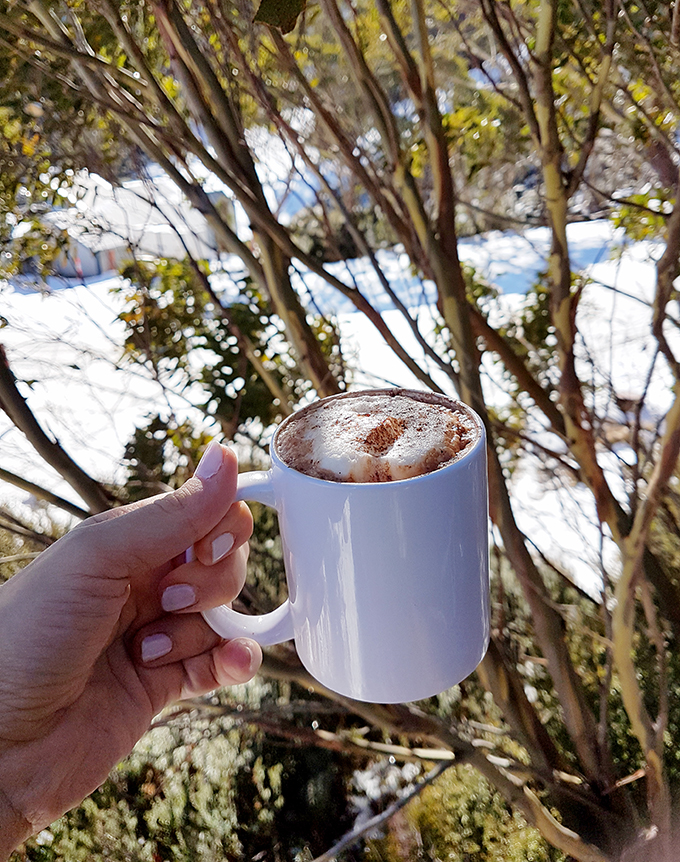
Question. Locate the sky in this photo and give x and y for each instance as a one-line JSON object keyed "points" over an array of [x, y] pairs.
{"points": [[66, 346]]}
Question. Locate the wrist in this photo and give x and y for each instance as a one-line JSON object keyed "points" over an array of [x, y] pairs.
{"points": [[13, 827]]}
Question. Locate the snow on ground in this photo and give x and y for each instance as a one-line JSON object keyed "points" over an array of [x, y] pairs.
{"points": [[68, 344], [151, 214]]}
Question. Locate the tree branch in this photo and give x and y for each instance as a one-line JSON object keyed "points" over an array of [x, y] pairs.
{"points": [[404, 719], [623, 617], [43, 494], [13, 525], [95, 495], [358, 832], [501, 678], [94, 61], [353, 293], [596, 98]]}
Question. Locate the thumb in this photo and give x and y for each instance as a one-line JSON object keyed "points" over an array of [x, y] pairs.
{"points": [[151, 532]]}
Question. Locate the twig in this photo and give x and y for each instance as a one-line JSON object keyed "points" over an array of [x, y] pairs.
{"points": [[14, 404], [349, 743], [42, 493], [19, 558], [95, 61], [355, 834], [25, 532], [657, 637]]}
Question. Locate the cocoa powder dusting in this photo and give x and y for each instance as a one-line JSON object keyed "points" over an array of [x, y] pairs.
{"points": [[381, 472], [295, 448], [416, 433], [381, 438]]}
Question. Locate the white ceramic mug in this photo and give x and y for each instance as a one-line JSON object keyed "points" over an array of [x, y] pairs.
{"points": [[388, 582]]}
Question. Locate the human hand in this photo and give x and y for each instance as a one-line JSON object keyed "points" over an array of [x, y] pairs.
{"points": [[103, 630]]}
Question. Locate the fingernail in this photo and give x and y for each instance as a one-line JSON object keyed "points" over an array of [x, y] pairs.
{"points": [[176, 597], [221, 546], [243, 656], [155, 646], [211, 461]]}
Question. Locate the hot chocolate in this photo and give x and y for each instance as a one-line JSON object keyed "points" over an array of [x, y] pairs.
{"points": [[376, 436]]}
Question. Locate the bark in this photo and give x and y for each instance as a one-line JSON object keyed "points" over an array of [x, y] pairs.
{"points": [[43, 494], [213, 108]]}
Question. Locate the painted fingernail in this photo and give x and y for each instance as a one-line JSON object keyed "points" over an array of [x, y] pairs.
{"points": [[211, 461], [155, 646], [176, 597], [221, 546], [243, 656]]}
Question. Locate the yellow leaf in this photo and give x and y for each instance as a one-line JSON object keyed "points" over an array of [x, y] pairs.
{"points": [[29, 145]]}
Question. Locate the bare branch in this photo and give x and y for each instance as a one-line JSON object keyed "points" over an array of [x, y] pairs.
{"points": [[97, 497], [355, 834], [386, 199], [500, 677], [566, 839], [489, 9], [20, 558], [12, 524], [596, 98], [353, 293], [657, 638], [667, 269], [369, 85], [550, 631], [43, 494], [97, 63], [518, 368], [623, 623]]}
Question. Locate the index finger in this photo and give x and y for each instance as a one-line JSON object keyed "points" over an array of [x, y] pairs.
{"points": [[152, 532]]}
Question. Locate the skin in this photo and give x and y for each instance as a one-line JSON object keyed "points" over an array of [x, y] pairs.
{"points": [[76, 692]]}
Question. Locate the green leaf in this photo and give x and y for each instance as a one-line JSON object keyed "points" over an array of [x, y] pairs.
{"points": [[282, 14]]}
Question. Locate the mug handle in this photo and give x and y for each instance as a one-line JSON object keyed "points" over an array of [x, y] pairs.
{"points": [[267, 629]]}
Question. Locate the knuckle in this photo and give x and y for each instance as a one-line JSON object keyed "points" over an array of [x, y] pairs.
{"points": [[231, 576], [245, 517], [176, 504], [170, 504]]}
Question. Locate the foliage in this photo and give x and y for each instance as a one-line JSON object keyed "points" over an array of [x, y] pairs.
{"points": [[174, 325], [461, 818], [159, 457], [642, 215], [47, 136]]}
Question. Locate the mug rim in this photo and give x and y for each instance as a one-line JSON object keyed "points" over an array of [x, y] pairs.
{"points": [[417, 394]]}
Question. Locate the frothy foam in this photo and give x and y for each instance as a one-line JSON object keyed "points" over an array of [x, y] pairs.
{"points": [[377, 437]]}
